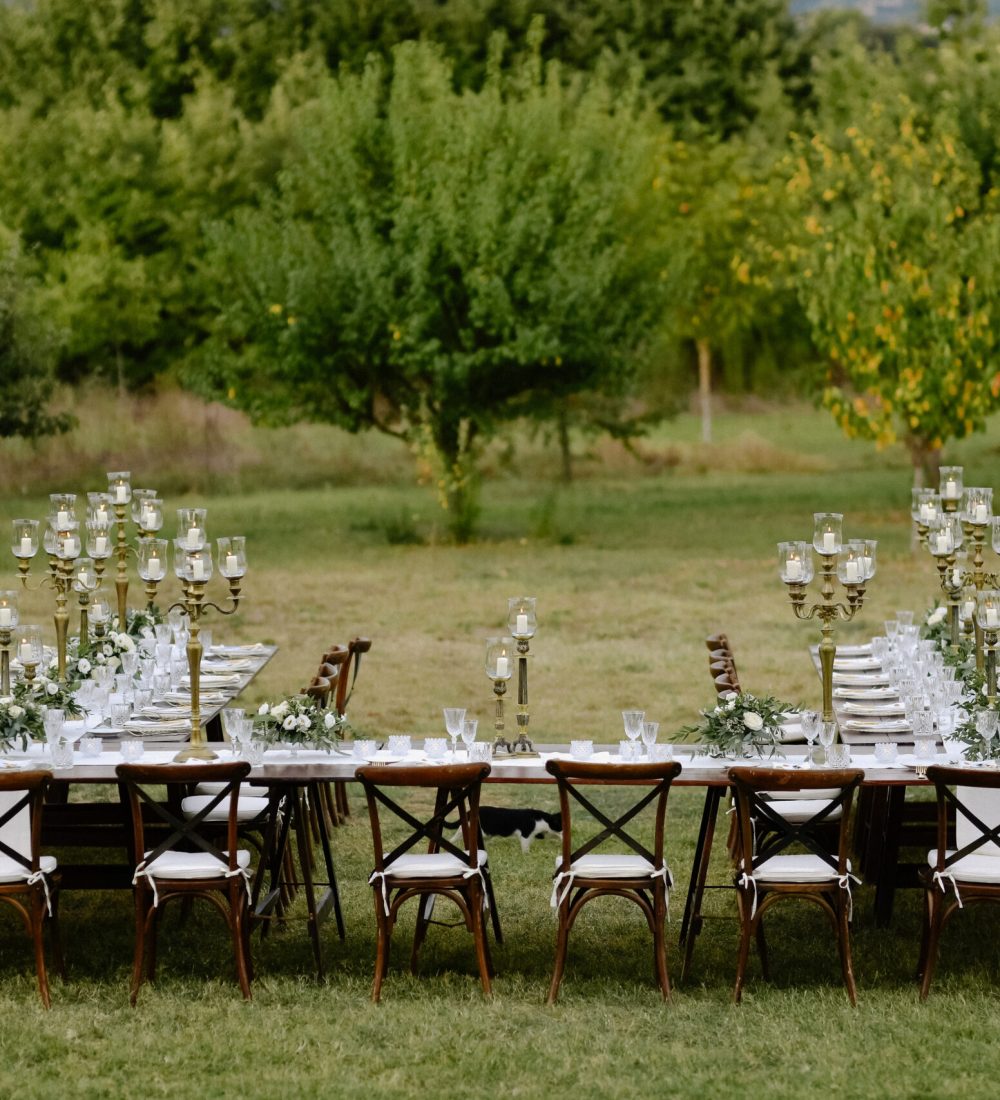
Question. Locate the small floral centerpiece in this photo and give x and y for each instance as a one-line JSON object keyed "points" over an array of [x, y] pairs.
{"points": [[20, 722], [298, 721], [45, 692], [140, 621], [741, 725], [106, 652]]}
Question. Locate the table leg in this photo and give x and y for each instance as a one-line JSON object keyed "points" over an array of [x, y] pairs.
{"points": [[886, 866], [691, 924]]}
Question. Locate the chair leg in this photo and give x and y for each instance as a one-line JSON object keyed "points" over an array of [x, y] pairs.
{"points": [[425, 907], [238, 914], [342, 801], [381, 947], [743, 956], [562, 943], [659, 941], [55, 937], [935, 919], [475, 901], [494, 912], [844, 943], [762, 950], [925, 933], [139, 956], [37, 922], [152, 934]]}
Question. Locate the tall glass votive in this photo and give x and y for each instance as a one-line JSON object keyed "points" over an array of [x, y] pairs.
{"points": [[99, 540], [946, 537], [25, 541], [8, 610], [120, 486], [62, 511], [198, 567], [232, 556], [152, 559], [870, 557], [85, 577], [521, 618], [851, 565], [828, 534], [500, 656], [28, 645], [950, 481], [988, 609], [795, 564], [191, 527], [977, 506]]}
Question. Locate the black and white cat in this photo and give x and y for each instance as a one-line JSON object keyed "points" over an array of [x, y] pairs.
{"points": [[526, 825]]}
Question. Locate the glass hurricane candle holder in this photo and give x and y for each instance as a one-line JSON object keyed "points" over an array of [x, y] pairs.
{"points": [[139, 498], [232, 556], [28, 646], [100, 614], [100, 508], [870, 557], [795, 564], [828, 532], [995, 534], [191, 527], [85, 577], [521, 619], [988, 609], [950, 481], [152, 559], [501, 654], [198, 566], [8, 610], [851, 568], [120, 486], [25, 542], [977, 506], [151, 515], [928, 509], [67, 544], [946, 537], [99, 540], [62, 511]]}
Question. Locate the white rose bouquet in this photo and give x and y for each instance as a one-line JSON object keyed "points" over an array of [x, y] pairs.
{"points": [[741, 724], [48, 692], [20, 721], [298, 721]]}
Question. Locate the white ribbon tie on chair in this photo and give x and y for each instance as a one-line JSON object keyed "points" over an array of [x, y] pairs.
{"points": [[142, 871], [381, 876], [562, 884], [940, 876], [40, 876], [843, 881]]}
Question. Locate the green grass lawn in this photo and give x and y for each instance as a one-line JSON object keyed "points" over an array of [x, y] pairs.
{"points": [[632, 566]]}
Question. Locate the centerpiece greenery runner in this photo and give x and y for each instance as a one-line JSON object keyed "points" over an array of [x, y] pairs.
{"points": [[741, 724]]}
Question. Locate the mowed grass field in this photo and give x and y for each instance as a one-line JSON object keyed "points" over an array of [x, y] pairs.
{"points": [[632, 565]]}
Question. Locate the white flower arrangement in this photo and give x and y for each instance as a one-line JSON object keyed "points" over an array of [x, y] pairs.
{"points": [[298, 721], [741, 724], [20, 721], [46, 692]]}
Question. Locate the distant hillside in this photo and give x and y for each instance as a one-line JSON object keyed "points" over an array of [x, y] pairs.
{"points": [[880, 11]]}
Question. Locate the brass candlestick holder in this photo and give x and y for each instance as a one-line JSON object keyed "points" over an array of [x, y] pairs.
{"points": [[194, 568], [499, 668], [852, 564], [522, 622], [8, 621]]}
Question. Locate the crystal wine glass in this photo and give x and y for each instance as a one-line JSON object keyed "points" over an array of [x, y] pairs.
{"points": [[827, 736], [649, 732], [809, 719], [53, 721], [633, 723], [469, 734], [453, 719], [986, 727]]}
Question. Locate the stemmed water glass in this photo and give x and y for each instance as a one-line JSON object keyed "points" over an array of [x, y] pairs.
{"points": [[649, 732], [986, 727], [454, 717], [469, 734], [827, 736], [633, 723], [809, 718]]}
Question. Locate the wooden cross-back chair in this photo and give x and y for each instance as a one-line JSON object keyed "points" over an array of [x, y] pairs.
{"points": [[968, 873], [584, 874], [767, 872], [184, 862], [446, 870], [29, 881]]}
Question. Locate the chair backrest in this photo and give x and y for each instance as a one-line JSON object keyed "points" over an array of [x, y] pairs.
{"points": [[573, 777], [975, 798], [139, 782], [21, 800], [456, 787], [718, 641], [726, 682], [347, 678], [320, 689], [751, 783]]}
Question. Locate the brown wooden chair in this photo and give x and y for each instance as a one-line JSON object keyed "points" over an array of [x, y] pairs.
{"points": [[444, 869], [767, 871], [29, 881], [183, 862], [969, 873], [583, 873]]}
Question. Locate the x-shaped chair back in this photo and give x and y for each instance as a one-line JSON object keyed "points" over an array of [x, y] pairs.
{"points": [[571, 776], [976, 795], [750, 784], [21, 800], [457, 788], [138, 783]]}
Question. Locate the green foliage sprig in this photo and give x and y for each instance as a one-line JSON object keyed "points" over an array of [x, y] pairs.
{"points": [[741, 724], [20, 722]]}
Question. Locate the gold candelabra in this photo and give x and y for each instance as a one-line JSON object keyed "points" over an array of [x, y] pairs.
{"points": [[852, 564]]}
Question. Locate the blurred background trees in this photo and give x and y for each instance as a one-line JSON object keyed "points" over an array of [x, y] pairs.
{"points": [[437, 219]]}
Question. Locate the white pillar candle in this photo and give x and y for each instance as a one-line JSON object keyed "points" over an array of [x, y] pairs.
{"points": [[950, 489], [101, 544], [522, 624], [829, 542], [121, 494], [5, 616], [968, 609], [26, 653], [193, 538], [197, 570], [70, 548], [980, 514], [852, 573], [232, 564], [992, 618], [944, 543], [84, 578], [956, 578], [793, 570], [98, 615], [25, 546], [62, 520], [501, 667], [927, 512], [154, 567]]}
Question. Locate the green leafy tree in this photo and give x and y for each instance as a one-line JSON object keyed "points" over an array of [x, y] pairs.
{"points": [[897, 266], [26, 378], [437, 264]]}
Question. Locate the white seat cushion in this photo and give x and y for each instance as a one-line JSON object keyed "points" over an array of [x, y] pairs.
{"points": [[970, 868], [819, 792], [608, 865], [192, 864], [804, 867], [248, 807], [430, 865], [213, 787], [797, 810], [11, 871]]}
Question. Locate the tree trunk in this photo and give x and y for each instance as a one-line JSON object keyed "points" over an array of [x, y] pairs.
{"points": [[454, 443], [925, 462], [565, 452], [705, 388]]}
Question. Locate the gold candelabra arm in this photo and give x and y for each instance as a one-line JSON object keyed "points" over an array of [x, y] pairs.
{"points": [[235, 586]]}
